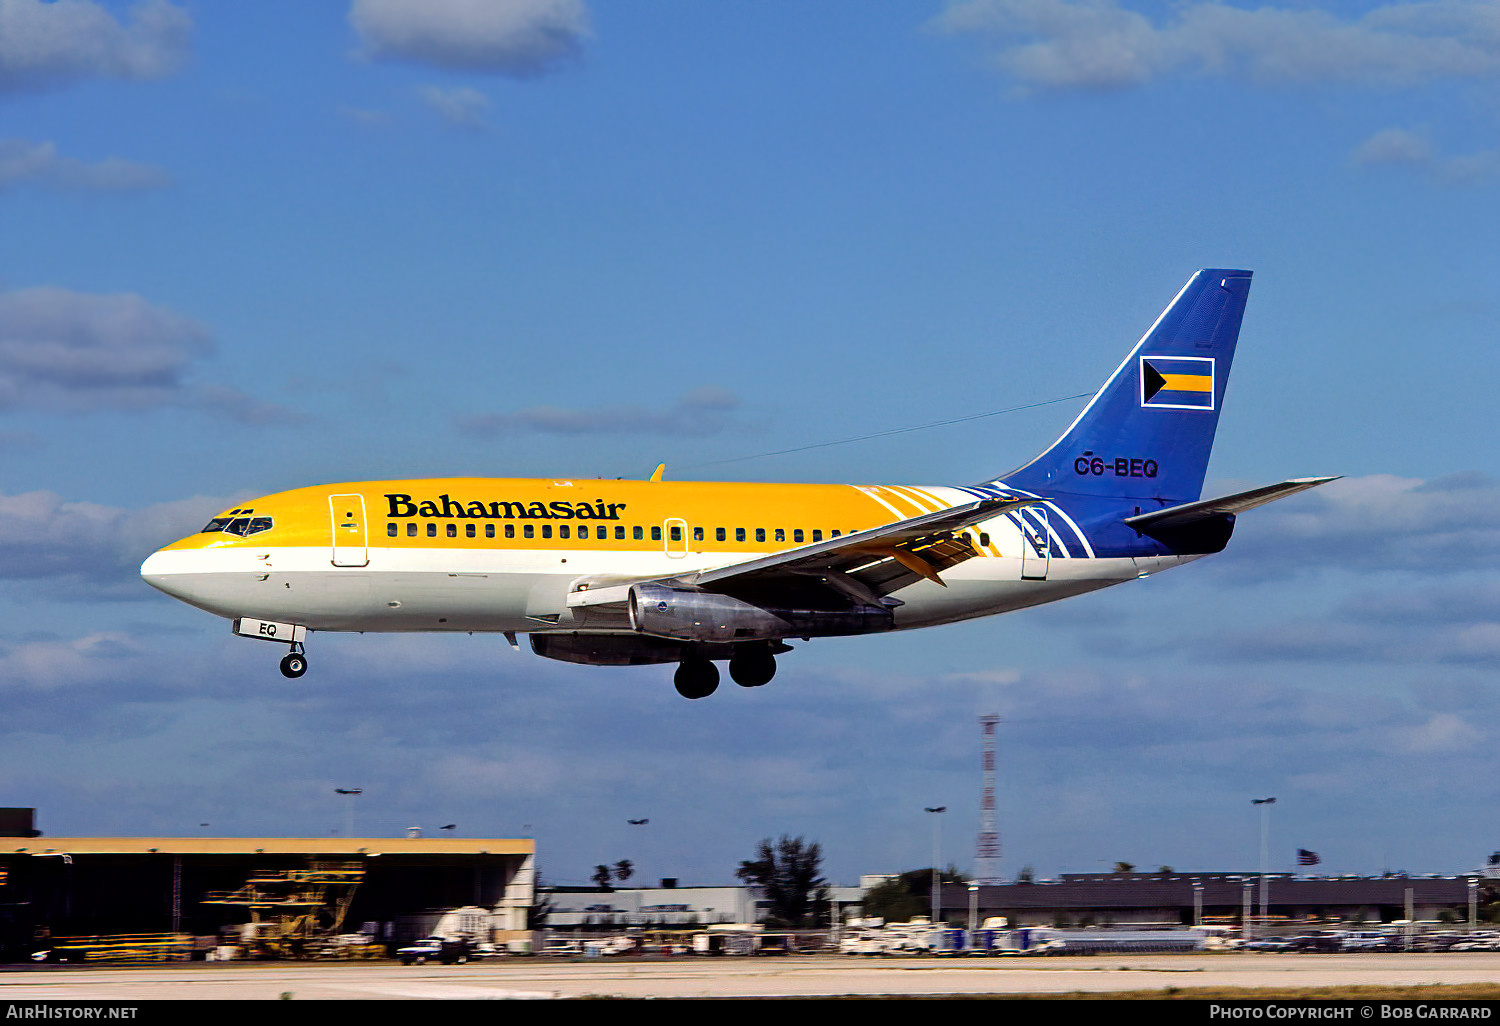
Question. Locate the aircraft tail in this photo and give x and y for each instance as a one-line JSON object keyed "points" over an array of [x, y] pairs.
{"points": [[1148, 432]]}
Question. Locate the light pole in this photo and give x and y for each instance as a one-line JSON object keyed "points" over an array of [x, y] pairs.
{"points": [[350, 792], [1265, 826], [937, 834]]}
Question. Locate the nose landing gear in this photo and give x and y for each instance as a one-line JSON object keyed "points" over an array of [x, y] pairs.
{"points": [[294, 664]]}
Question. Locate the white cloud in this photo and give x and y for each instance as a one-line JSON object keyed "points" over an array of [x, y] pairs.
{"points": [[68, 351], [54, 665], [1394, 146], [518, 38], [1399, 146], [44, 44], [22, 160], [1376, 523], [81, 546], [703, 411], [1101, 44], [1441, 733], [64, 349], [461, 106]]}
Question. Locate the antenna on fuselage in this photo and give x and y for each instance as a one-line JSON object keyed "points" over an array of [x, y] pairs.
{"points": [[661, 468]]}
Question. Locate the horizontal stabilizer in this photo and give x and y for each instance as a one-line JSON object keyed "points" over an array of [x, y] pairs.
{"points": [[1239, 502]]}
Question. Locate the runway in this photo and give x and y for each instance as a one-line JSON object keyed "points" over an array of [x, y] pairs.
{"points": [[743, 977]]}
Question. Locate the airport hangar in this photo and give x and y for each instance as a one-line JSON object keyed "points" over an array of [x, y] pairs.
{"points": [[90, 886], [1121, 899]]}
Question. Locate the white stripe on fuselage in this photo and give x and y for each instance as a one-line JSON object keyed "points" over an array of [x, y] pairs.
{"points": [[487, 589]]}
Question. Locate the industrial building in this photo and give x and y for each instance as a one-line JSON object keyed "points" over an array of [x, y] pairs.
{"points": [[389, 888], [1122, 899]]}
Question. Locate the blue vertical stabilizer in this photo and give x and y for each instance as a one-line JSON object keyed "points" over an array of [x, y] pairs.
{"points": [[1148, 432]]}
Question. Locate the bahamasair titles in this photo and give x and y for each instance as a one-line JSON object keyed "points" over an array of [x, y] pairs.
{"points": [[617, 573]]}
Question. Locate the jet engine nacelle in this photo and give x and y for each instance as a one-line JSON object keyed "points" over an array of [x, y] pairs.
{"points": [[686, 614]]}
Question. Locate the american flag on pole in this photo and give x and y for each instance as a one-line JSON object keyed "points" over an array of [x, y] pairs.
{"points": [[1307, 858]]}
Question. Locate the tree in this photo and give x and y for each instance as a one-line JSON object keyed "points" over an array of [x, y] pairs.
{"points": [[788, 874], [1124, 867], [624, 869], [602, 876], [908, 895]]}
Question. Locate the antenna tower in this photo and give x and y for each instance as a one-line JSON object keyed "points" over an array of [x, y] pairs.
{"points": [[987, 853]]}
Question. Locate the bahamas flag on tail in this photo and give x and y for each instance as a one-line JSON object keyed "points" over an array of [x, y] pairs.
{"points": [[1177, 382]]}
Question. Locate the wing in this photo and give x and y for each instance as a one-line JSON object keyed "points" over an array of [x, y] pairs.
{"points": [[863, 567]]}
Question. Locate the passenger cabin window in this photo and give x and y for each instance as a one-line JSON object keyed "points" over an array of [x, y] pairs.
{"points": [[619, 534], [656, 534], [697, 534], [739, 534], [676, 532], [510, 530], [636, 533], [760, 534], [817, 536], [489, 530], [411, 530], [718, 534], [528, 531], [780, 534], [432, 530], [562, 532], [390, 530], [797, 535]]}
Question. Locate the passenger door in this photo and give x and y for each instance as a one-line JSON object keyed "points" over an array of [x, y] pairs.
{"points": [[347, 516]]}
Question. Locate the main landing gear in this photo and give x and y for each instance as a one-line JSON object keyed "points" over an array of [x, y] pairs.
{"points": [[752, 665], [696, 677]]}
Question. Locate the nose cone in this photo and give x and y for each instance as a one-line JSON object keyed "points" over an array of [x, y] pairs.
{"points": [[163, 570]]}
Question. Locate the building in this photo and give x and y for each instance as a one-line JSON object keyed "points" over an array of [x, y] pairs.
{"points": [[1104, 899], [667, 906], [85, 886]]}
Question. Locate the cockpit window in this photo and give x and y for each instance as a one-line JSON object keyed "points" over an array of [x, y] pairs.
{"points": [[240, 526]]}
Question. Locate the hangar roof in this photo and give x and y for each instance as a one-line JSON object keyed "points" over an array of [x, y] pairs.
{"points": [[329, 846]]}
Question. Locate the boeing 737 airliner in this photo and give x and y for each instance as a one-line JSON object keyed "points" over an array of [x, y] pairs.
{"points": [[629, 572]]}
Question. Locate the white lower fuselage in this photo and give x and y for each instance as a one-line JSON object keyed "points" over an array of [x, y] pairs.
{"points": [[524, 591]]}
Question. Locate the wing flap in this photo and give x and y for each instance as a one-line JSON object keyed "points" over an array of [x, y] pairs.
{"points": [[881, 559], [867, 564]]}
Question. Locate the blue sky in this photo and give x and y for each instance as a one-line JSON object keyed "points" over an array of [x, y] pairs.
{"points": [[253, 246]]}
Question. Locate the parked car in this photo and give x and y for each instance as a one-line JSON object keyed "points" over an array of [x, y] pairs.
{"points": [[436, 949]]}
